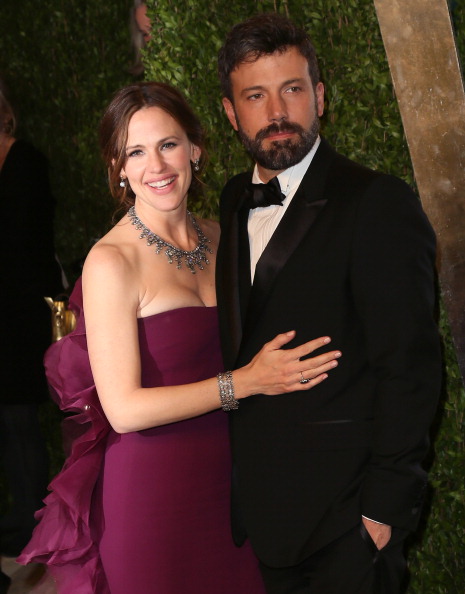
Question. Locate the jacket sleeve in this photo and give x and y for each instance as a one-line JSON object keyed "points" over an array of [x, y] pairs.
{"points": [[393, 283]]}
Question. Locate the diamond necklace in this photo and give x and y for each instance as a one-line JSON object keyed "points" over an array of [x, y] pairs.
{"points": [[197, 257]]}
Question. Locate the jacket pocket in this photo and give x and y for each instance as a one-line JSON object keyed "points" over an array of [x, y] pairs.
{"points": [[339, 434]]}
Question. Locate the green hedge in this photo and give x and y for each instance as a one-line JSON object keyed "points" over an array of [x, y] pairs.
{"points": [[64, 59]]}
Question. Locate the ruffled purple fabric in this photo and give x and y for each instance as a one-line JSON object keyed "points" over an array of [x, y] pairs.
{"points": [[63, 539]]}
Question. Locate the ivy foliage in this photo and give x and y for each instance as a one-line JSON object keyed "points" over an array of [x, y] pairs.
{"points": [[362, 121]]}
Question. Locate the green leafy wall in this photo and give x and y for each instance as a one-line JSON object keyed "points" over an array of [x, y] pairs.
{"points": [[66, 57]]}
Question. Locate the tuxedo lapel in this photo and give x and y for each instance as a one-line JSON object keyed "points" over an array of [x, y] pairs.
{"points": [[295, 224], [235, 271], [293, 227]]}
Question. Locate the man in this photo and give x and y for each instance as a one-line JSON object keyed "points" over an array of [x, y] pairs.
{"points": [[327, 483]]}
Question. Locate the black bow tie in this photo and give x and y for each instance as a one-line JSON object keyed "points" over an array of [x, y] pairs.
{"points": [[263, 194]]}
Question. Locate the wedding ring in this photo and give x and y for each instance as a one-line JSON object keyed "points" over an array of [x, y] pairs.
{"points": [[303, 380]]}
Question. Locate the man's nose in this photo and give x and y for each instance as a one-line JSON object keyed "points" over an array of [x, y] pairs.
{"points": [[277, 109]]}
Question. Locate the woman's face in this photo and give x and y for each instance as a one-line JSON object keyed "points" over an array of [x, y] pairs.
{"points": [[158, 159]]}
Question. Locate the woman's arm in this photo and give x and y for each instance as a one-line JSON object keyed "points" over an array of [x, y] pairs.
{"points": [[111, 301]]}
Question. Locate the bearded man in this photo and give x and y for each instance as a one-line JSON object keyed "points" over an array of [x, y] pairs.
{"points": [[327, 483]]}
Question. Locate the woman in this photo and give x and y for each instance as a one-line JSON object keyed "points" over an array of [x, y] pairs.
{"points": [[156, 479], [29, 272]]}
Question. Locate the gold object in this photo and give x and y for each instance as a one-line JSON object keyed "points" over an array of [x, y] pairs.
{"points": [[425, 69], [63, 319]]}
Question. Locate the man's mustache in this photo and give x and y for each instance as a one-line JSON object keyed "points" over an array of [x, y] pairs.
{"points": [[286, 127]]}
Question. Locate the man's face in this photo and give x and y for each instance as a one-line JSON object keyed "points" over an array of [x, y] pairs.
{"points": [[275, 110]]}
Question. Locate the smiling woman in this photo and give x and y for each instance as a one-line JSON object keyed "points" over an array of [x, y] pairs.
{"points": [[159, 159], [114, 131]]}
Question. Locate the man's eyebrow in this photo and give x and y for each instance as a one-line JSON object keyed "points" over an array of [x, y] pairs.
{"points": [[283, 84], [254, 88]]}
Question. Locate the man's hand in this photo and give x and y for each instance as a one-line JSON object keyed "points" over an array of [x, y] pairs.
{"points": [[380, 533]]}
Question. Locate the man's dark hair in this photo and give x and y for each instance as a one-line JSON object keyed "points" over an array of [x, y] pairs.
{"points": [[261, 35]]}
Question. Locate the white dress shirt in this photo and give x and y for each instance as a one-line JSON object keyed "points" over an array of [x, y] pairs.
{"points": [[264, 220]]}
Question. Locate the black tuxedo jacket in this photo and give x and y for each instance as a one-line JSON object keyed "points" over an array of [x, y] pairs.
{"points": [[352, 258]]}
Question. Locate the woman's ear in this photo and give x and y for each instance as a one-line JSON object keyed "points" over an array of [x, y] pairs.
{"points": [[196, 153], [121, 173]]}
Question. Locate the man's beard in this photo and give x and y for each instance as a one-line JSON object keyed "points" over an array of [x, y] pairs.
{"points": [[282, 153]]}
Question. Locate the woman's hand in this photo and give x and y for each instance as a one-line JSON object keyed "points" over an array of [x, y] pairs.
{"points": [[275, 370]]}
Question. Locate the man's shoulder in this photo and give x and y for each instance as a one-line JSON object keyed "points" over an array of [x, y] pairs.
{"points": [[233, 189], [238, 180], [342, 162], [352, 175]]}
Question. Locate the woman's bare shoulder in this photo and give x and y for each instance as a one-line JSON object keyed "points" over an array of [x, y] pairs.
{"points": [[110, 255]]}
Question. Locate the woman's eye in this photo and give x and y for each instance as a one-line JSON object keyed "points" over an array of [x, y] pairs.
{"points": [[135, 153], [167, 145]]}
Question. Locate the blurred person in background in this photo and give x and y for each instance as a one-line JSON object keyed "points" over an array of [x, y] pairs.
{"points": [[140, 28], [30, 271]]}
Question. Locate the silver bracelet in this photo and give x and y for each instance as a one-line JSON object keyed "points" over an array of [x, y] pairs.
{"points": [[226, 388]]}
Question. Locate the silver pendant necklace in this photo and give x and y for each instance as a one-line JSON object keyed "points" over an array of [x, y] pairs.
{"points": [[197, 257]]}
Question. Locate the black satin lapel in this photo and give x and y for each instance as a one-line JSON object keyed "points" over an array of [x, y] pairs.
{"points": [[244, 275], [235, 279], [230, 287], [293, 227], [308, 201]]}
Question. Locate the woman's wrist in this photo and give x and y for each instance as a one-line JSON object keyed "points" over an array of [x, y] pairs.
{"points": [[226, 391]]}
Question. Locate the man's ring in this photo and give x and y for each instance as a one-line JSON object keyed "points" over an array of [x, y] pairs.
{"points": [[303, 380]]}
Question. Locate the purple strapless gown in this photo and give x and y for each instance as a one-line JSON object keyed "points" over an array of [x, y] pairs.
{"points": [[144, 512]]}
